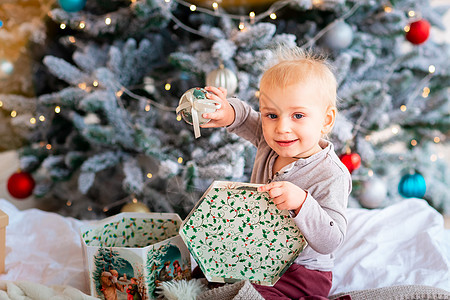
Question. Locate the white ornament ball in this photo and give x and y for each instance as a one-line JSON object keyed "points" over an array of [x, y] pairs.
{"points": [[6, 68], [189, 99], [223, 77], [149, 85], [373, 194], [340, 36]]}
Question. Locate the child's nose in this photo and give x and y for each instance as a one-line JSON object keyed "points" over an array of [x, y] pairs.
{"points": [[283, 125]]}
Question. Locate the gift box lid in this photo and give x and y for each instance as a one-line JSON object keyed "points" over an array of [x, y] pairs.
{"points": [[236, 233], [131, 230]]}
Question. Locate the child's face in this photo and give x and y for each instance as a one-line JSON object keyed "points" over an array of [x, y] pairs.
{"points": [[294, 119]]}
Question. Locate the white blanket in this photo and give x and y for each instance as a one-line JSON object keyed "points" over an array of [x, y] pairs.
{"points": [[402, 244], [25, 290]]}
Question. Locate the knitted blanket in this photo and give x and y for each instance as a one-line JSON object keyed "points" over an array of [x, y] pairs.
{"points": [[243, 290]]}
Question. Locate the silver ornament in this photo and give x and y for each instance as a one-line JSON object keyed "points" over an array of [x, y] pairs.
{"points": [[373, 193], [339, 36], [223, 77]]}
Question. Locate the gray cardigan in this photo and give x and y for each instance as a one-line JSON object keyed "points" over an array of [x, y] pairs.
{"points": [[323, 176]]}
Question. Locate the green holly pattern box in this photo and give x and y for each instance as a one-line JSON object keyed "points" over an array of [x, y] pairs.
{"points": [[236, 233], [131, 254]]}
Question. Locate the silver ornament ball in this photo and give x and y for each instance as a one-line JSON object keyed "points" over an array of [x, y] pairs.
{"points": [[374, 193], [340, 36], [223, 77]]}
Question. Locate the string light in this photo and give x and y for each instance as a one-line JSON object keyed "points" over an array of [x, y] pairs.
{"points": [[388, 9], [178, 118], [180, 160], [108, 21], [252, 17], [149, 175], [33, 121], [82, 85], [62, 26], [1, 103], [436, 139], [273, 16], [119, 93], [57, 109], [147, 107], [193, 7], [89, 208], [95, 83], [48, 147], [13, 113], [370, 173], [82, 25], [72, 39], [426, 92], [433, 157], [413, 143], [41, 118], [431, 69], [69, 203], [411, 13], [215, 5], [168, 86], [241, 26], [403, 108], [406, 28]]}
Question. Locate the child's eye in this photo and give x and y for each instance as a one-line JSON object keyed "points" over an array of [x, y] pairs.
{"points": [[272, 116], [298, 116]]}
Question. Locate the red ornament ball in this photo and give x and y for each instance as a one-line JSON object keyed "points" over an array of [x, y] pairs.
{"points": [[351, 160], [20, 185], [419, 31]]}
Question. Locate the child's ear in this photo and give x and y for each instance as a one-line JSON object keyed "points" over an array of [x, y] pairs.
{"points": [[330, 117]]}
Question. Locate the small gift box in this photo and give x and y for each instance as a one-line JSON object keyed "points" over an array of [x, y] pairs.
{"points": [[132, 253], [236, 233]]}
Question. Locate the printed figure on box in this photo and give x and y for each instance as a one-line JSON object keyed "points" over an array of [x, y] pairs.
{"points": [[297, 166], [114, 275], [167, 264]]}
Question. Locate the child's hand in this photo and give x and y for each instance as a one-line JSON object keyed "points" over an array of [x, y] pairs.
{"points": [[224, 115], [285, 195]]}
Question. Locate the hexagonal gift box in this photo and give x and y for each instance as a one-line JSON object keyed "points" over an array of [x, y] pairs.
{"points": [[236, 233], [133, 253]]}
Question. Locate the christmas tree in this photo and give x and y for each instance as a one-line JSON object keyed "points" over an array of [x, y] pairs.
{"points": [[111, 74]]}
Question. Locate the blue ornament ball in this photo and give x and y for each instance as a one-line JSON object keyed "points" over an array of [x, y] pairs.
{"points": [[412, 185], [72, 5]]}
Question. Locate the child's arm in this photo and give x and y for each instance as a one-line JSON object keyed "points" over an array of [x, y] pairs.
{"points": [[321, 220], [236, 115]]}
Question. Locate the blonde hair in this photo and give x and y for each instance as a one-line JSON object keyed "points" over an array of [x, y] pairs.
{"points": [[295, 65]]}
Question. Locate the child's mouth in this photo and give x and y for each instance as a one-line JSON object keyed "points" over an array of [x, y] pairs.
{"points": [[286, 143]]}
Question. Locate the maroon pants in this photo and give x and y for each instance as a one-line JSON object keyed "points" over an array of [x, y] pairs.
{"points": [[298, 282]]}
